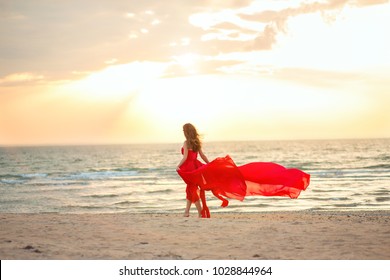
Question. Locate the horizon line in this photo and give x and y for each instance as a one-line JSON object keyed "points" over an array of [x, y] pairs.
{"points": [[171, 143]]}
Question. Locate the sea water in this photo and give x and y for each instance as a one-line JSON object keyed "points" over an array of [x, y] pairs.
{"points": [[345, 175]]}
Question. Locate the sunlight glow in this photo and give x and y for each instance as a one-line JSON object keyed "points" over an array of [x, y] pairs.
{"points": [[310, 34], [118, 81], [187, 60], [281, 69]]}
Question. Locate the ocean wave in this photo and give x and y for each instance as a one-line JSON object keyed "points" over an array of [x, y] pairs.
{"points": [[102, 175], [379, 166], [102, 195], [11, 181], [20, 178], [346, 205], [384, 157], [382, 199], [126, 202], [52, 184], [351, 173], [85, 207], [161, 191], [325, 190], [34, 175], [328, 198]]}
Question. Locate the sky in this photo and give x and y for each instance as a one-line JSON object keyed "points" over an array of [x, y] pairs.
{"points": [[102, 72]]}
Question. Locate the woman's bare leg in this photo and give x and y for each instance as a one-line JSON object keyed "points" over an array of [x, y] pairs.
{"points": [[187, 210], [199, 208]]}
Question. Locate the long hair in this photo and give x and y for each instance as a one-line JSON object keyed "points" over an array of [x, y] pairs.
{"points": [[192, 137]]}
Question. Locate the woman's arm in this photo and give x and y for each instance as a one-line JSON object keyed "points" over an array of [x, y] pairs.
{"points": [[185, 154], [203, 156]]}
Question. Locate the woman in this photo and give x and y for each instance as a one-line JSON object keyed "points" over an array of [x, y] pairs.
{"points": [[192, 146], [226, 180]]}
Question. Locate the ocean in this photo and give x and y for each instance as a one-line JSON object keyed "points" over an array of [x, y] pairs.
{"points": [[345, 175]]}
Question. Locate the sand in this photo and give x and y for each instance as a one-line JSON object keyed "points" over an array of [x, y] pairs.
{"points": [[299, 235]]}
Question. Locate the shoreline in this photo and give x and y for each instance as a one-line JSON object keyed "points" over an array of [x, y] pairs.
{"points": [[286, 235]]}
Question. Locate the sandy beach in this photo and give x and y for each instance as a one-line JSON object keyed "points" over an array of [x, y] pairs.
{"points": [[298, 235]]}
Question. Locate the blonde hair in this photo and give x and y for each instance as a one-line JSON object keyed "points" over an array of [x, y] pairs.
{"points": [[192, 137]]}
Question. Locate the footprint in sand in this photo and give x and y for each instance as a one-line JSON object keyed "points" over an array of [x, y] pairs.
{"points": [[29, 247]]}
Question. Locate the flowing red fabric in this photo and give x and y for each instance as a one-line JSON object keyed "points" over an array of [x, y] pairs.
{"points": [[226, 180]]}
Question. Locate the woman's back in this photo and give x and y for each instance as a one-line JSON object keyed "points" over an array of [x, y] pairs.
{"points": [[192, 161]]}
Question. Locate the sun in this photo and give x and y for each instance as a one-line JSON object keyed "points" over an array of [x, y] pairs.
{"points": [[177, 100], [188, 62]]}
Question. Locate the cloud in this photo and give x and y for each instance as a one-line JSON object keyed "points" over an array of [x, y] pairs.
{"points": [[266, 39], [55, 39], [273, 21], [20, 78]]}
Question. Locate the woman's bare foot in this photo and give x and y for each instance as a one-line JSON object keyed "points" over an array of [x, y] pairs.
{"points": [[186, 214]]}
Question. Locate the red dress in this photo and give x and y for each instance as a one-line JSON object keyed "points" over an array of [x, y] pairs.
{"points": [[226, 180], [191, 163]]}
